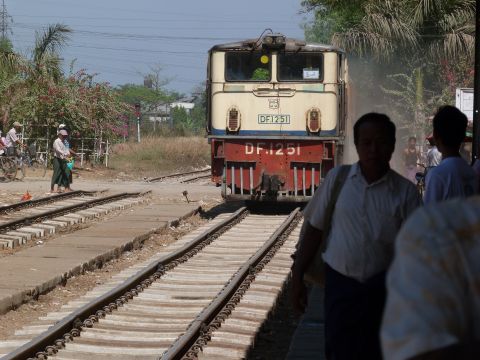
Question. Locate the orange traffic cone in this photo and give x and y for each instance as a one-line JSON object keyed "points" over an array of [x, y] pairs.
{"points": [[26, 196]]}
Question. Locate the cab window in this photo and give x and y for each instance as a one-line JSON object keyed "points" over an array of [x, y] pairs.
{"points": [[247, 66], [300, 67]]}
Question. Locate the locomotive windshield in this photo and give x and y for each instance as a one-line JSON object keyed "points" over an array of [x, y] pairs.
{"points": [[300, 67], [247, 66]]}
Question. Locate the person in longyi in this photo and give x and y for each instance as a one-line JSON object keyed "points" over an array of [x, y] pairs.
{"points": [[60, 175], [373, 203]]}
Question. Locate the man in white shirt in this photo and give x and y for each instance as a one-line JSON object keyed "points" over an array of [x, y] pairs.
{"points": [[433, 304], [434, 157], [371, 207], [11, 139], [453, 177]]}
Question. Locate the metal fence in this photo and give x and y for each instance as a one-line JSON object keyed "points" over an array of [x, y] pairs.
{"points": [[91, 150]]}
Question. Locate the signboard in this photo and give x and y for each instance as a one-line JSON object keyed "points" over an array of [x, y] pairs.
{"points": [[311, 74], [464, 101]]}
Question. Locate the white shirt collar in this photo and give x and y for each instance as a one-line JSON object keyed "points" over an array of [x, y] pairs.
{"points": [[356, 171]]}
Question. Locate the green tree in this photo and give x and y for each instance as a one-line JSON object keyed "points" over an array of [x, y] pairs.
{"points": [[193, 121], [149, 98], [37, 92], [382, 28], [6, 45], [200, 110], [410, 43]]}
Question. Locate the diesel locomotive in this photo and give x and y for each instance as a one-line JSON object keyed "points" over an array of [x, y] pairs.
{"points": [[276, 115]]}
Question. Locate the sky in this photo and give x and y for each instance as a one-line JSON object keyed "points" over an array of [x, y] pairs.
{"points": [[122, 40]]}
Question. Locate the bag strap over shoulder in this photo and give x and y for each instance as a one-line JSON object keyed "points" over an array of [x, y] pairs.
{"points": [[336, 189]]}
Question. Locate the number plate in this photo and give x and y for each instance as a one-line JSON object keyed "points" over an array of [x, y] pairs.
{"points": [[273, 119], [272, 148]]}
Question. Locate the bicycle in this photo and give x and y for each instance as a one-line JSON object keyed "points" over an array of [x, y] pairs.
{"points": [[8, 169], [28, 159], [420, 177]]}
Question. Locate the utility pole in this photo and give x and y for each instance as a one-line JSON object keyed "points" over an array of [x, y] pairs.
{"points": [[476, 89], [4, 21], [138, 114]]}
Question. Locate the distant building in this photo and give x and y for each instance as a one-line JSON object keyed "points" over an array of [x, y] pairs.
{"points": [[161, 112]]}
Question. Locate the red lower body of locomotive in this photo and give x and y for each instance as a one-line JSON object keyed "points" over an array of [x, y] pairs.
{"points": [[271, 169]]}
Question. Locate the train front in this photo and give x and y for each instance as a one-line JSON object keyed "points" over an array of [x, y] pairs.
{"points": [[276, 115]]}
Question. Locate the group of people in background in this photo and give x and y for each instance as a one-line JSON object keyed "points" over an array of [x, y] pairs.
{"points": [[62, 155], [401, 279], [446, 168]]}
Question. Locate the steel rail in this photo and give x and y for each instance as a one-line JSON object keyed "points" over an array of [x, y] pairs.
{"points": [[44, 200], [72, 321], [176, 175], [183, 344], [13, 224], [186, 181]]}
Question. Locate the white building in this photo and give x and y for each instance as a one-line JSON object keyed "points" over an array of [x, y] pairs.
{"points": [[161, 112]]}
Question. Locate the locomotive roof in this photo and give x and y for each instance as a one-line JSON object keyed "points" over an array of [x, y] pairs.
{"points": [[290, 45]]}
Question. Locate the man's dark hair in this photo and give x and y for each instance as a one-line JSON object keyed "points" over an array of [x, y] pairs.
{"points": [[450, 125], [412, 138], [375, 118]]}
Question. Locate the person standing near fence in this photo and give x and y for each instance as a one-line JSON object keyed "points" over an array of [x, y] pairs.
{"points": [[66, 142], [60, 175]]}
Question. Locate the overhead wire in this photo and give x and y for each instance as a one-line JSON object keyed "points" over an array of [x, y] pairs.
{"points": [[162, 20], [140, 36], [191, 42]]}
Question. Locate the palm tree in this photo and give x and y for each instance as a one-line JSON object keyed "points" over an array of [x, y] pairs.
{"points": [[437, 28], [414, 33], [45, 55], [384, 29], [11, 81], [18, 75], [447, 27]]}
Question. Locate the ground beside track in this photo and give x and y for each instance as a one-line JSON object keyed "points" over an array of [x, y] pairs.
{"points": [[206, 196], [271, 343]]}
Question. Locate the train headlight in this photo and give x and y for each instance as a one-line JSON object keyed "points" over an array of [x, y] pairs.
{"points": [[314, 123], [280, 40], [274, 41], [233, 119], [268, 40]]}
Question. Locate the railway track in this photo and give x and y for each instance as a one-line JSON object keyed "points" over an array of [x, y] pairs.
{"points": [[5, 209], [20, 223], [185, 177], [206, 299], [196, 178]]}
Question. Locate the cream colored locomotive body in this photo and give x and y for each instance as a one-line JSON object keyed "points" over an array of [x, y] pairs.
{"points": [[280, 100]]}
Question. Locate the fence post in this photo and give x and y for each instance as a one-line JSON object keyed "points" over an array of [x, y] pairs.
{"points": [[48, 146], [106, 155], [81, 156]]}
